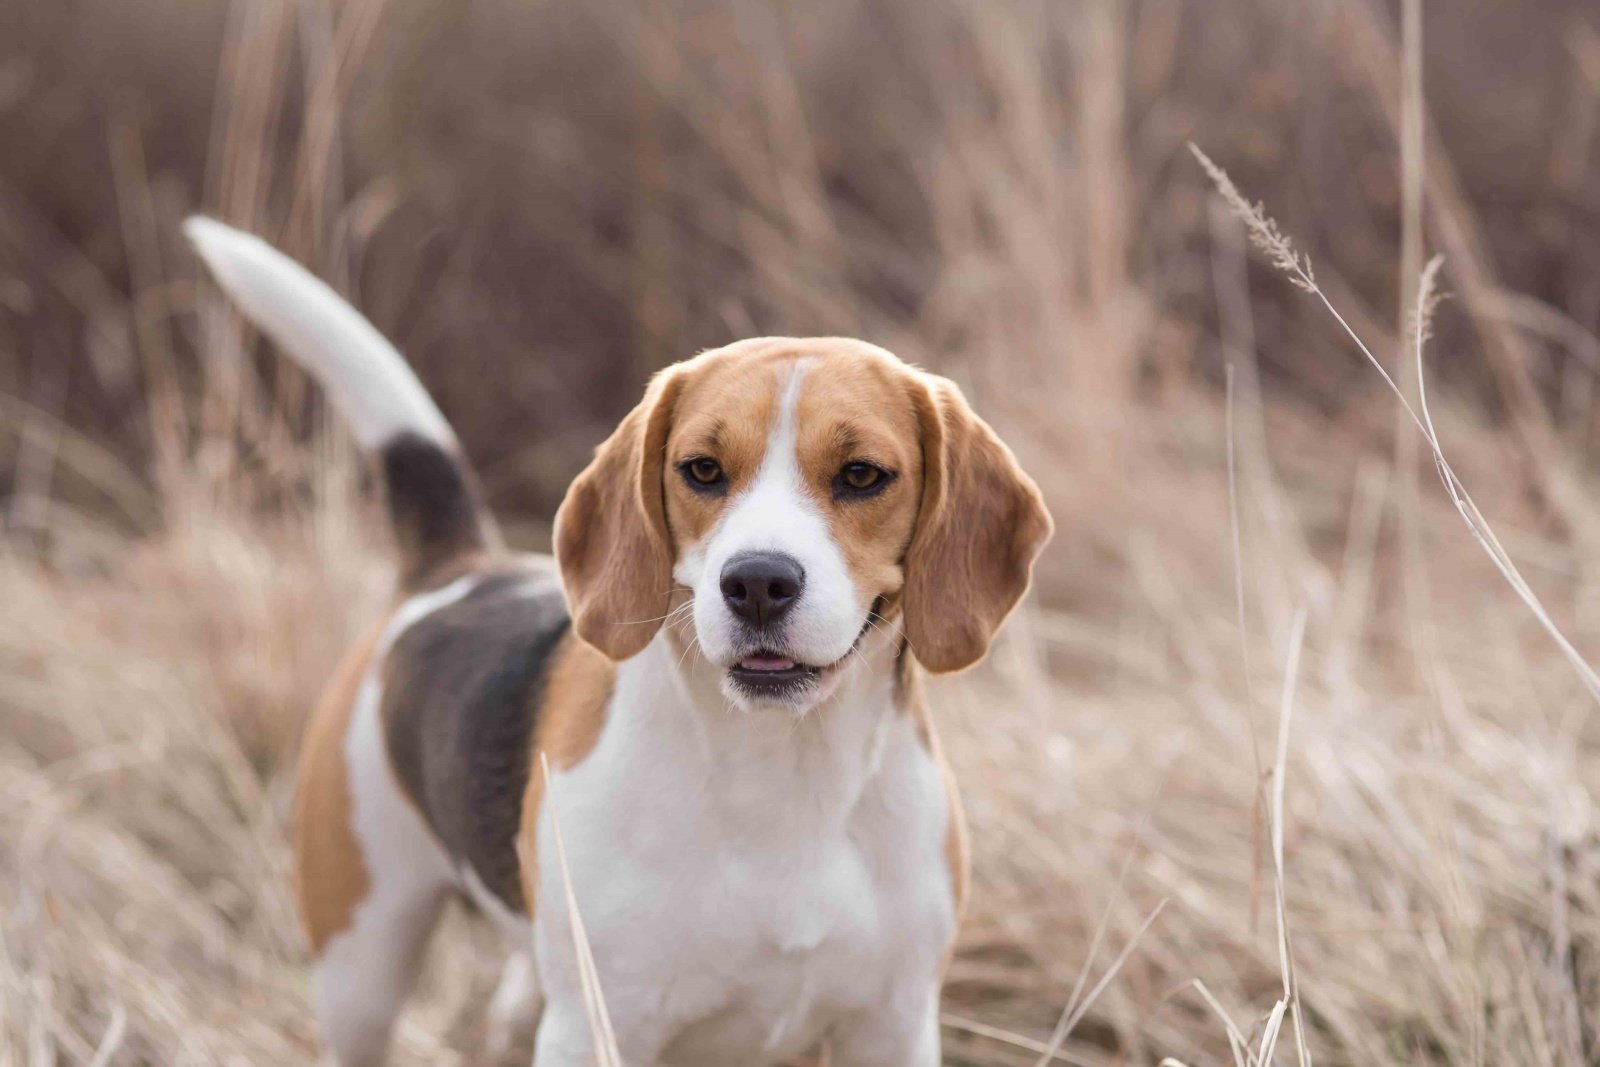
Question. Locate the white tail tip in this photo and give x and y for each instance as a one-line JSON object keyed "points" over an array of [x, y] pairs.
{"points": [[367, 379]]}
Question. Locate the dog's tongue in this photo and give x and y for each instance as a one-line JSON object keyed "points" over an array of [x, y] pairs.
{"points": [[764, 662]]}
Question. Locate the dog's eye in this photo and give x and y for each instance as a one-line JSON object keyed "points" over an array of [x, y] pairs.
{"points": [[860, 478], [703, 472], [860, 475]]}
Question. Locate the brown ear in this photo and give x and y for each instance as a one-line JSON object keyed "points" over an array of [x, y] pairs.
{"points": [[981, 524], [611, 538]]}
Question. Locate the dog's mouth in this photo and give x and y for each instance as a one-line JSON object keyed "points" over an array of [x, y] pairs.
{"points": [[768, 673]]}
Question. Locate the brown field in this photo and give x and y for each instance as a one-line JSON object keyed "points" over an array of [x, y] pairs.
{"points": [[1272, 596]]}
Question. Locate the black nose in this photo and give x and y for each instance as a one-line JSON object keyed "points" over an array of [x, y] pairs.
{"points": [[760, 587]]}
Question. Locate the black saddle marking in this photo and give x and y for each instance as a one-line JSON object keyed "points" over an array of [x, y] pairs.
{"points": [[462, 689]]}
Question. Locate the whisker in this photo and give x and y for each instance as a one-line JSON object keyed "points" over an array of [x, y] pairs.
{"points": [[694, 643], [658, 618]]}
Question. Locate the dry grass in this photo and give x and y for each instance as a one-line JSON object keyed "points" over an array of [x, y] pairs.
{"points": [[1270, 678]]}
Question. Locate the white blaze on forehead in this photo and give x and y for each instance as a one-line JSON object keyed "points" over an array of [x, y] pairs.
{"points": [[776, 513], [780, 465]]}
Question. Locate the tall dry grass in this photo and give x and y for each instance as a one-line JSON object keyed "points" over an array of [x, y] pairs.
{"points": [[541, 203]]}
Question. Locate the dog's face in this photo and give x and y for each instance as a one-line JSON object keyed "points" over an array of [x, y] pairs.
{"points": [[791, 491], [790, 496]]}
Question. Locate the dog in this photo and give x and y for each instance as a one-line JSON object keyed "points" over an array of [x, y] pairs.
{"points": [[722, 667]]}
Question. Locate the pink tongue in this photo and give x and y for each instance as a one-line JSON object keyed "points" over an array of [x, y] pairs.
{"points": [[766, 663]]}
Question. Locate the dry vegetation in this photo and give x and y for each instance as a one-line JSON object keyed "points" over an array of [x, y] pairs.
{"points": [[541, 202]]}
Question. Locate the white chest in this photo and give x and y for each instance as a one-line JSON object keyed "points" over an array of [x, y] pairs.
{"points": [[747, 885]]}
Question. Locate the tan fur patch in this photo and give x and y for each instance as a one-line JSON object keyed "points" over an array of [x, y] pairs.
{"points": [[725, 412], [956, 854], [982, 522], [611, 534], [567, 726], [330, 876], [855, 406]]}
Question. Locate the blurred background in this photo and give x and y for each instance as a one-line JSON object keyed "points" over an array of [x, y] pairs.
{"points": [[542, 201]]}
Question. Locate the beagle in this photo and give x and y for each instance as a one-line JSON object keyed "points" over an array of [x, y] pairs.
{"points": [[722, 666]]}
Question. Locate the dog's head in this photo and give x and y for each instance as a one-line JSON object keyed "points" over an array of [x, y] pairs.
{"points": [[799, 493]]}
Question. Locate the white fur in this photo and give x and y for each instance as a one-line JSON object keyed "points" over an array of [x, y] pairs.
{"points": [[751, 883], [365, 971], [363, 373], [776, 514]]}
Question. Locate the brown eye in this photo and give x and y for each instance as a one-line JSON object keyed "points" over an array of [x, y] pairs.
{"points": [[860, 478], [703, 472]]}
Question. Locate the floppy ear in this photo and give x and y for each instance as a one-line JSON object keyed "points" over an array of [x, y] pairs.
{"points": [[611, 539], [981, 524]]}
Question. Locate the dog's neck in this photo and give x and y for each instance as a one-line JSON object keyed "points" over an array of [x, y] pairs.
{"points": [[770, 768]]}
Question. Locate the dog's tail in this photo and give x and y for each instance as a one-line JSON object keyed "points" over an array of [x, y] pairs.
{"points": [[434, 500]]}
